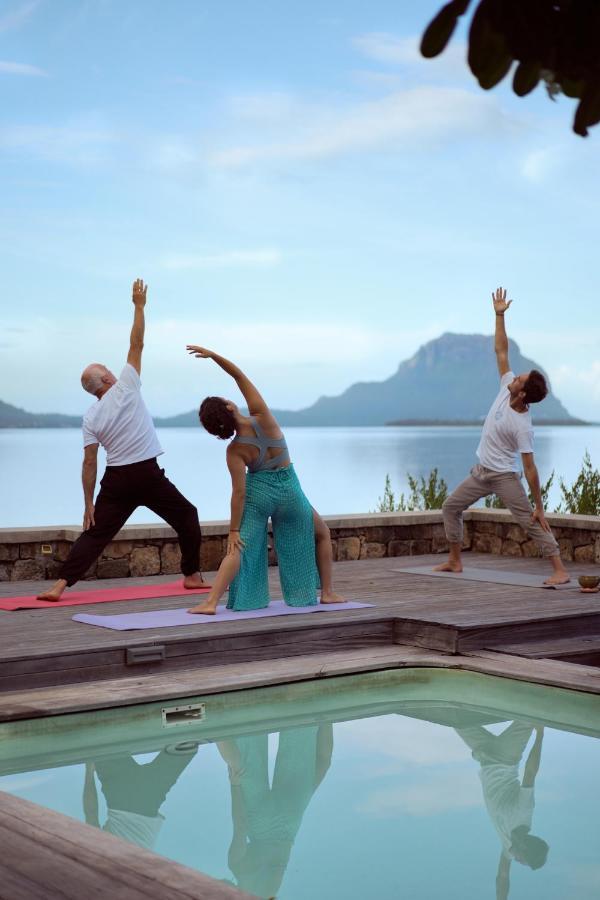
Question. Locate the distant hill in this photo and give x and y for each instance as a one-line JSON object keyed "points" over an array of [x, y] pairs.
{"points": [[14, 417], [450, 380]]}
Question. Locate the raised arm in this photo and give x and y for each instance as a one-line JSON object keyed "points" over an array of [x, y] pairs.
{"points": [[501, 304], [256, 404], [136, 341]]}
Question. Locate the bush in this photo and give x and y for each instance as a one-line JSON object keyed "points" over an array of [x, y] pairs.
{"points": [[583, 497], [424, 494]]}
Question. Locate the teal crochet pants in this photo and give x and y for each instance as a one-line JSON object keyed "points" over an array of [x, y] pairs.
{"points": [[276, 494]]}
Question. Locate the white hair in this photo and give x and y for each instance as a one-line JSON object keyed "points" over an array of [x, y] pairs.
{"points": [[91, 378]]}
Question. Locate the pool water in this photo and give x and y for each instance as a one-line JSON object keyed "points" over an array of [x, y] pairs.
{"points": [[422, 783]]}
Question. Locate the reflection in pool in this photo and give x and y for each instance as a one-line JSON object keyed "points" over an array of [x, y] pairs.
{"points": [[423, 784]]}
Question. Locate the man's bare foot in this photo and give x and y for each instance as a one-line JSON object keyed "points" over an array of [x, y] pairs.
{"points": [[194, 581], [55, 592], [204, 609], [449, 567], [331, 597], [558, 578]]}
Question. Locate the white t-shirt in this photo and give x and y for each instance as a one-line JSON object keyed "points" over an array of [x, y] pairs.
{"points": [[121, 423], [508, 803], [140, 830], [505, 434]]}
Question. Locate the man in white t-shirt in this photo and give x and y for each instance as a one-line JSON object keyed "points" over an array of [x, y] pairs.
{"points": [[510, 802], [506, 444], [120, 422]]}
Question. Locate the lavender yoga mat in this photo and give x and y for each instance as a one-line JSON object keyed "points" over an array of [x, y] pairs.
{"points": [[167, 618]]}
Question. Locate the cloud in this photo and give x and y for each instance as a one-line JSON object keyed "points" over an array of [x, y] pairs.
{"points": [[390, 50], [13, 68], [19, 16], [85, 142], [588, 379], [539, 164], [404, 742], [441, 793], [265, 258], [406, 116]]}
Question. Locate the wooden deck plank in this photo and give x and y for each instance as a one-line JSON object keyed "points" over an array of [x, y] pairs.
{"points": [[50, 856], [437, 613]]}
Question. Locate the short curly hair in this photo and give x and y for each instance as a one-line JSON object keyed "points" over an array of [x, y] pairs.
{"points": [[535, 388], [217, 418]]}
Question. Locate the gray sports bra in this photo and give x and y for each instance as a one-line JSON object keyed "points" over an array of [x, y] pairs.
{"points": [[263, 464]]}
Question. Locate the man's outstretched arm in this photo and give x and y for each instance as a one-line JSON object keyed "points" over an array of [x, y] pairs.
{"points": [[136, 341], [501, 304]]}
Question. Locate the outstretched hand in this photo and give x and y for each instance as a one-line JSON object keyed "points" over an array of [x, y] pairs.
{"points": [[138, 294], [500, 302], [199, 352]]}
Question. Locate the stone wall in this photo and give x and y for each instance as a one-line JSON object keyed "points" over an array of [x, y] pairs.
{"points": [[36, 553]]}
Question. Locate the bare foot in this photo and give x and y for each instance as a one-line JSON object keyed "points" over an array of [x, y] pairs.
{"points": [[55, 592], [331, 597], [558, 578], [204, 609], [194, 581], [449, 567]]}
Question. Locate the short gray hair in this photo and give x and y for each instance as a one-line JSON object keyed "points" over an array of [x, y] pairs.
{"points": [[91, 378]]}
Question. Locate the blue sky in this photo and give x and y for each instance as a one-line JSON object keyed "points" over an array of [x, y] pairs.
{"points": [[302, 192]]}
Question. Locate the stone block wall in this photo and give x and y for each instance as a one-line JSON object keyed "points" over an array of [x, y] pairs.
{"points": [[34, 554]]}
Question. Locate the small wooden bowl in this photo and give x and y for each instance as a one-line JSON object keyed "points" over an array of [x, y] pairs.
{"points": [[589, 582]]}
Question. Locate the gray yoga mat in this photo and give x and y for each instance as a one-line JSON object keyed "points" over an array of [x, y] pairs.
{"points": [[167, 618], [492, 576]]}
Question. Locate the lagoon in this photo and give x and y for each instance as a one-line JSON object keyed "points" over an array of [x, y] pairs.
{"points": [[342, 470]]}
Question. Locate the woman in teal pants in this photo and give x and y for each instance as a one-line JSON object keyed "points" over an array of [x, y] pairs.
{"points": [[264, 484]]}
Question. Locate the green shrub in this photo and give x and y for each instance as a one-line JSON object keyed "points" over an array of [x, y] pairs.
{"points": [[424, 494], [583, 497]]}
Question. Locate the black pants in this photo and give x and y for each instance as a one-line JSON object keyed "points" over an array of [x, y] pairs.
{"points": [[122, 490], [140, 788]]}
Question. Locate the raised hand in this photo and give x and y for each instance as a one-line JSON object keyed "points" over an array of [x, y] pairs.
{"points": [[139, 292], [500, 302], [199, 352]]}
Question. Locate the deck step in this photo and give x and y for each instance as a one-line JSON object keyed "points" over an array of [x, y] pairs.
{"points": [[584, 649]]}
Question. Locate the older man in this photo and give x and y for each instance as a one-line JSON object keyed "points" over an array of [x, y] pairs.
{"points": [[120, 422]]}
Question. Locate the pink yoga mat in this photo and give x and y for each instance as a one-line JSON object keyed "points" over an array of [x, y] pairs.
{"points": [[108, 595], [168, 618]]}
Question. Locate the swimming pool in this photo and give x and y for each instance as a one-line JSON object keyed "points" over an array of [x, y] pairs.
{"points": [[416, 783]]}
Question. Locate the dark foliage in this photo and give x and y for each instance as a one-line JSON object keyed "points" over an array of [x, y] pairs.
{"points": [[554, 41]]}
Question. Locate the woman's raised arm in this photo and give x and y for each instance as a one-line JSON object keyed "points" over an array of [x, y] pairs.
{"points": [[253, 398]]}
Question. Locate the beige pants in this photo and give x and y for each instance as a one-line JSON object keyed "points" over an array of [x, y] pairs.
{"points": [[507, 486]]}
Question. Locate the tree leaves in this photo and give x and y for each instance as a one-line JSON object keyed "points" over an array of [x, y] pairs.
{"points": [[557, 41]]}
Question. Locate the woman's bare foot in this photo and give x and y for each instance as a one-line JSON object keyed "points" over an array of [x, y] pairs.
{"points": [[331, 597], [55, 592], [204, 609], [558, 578], [194, 581], [449, 566]]}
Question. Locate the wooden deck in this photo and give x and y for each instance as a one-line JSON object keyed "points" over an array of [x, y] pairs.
{"points": [[43, 648]]}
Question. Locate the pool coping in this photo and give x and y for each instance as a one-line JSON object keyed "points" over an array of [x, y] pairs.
{"points": [[79, 697]]}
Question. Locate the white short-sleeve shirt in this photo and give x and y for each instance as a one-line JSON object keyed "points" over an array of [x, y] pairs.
{"points": [[505, 434], [121, 423], [508, 803]]}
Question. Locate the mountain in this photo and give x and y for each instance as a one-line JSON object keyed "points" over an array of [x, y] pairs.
{"points": [[14, 417], [450, 380]]}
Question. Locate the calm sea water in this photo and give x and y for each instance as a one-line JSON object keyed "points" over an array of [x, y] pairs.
{"points": [[342, 470]]}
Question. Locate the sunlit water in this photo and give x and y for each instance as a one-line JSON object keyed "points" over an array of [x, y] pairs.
{"points": [[353, 788], [342, 470]]}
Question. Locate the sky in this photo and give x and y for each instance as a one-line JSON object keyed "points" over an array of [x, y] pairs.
{"points": [[301, 191]]}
